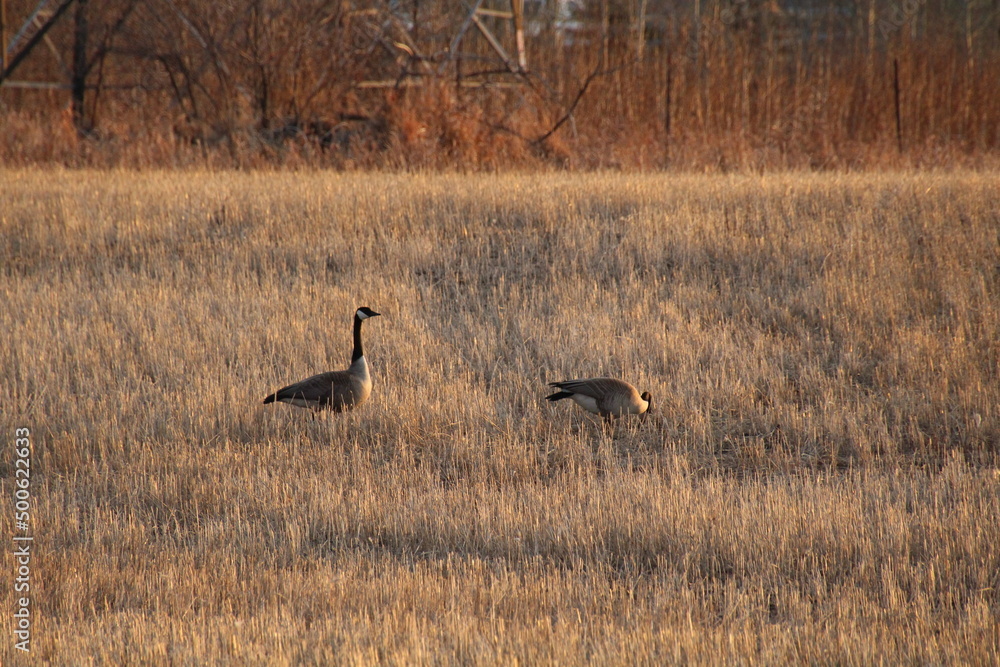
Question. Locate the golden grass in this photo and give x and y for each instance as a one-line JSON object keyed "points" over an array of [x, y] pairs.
{"points": [[819, 483]]}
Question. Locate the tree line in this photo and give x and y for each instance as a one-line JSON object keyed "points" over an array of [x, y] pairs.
{"points": [[430, 83]]}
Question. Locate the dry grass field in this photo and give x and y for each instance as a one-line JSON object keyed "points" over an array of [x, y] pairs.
{"points": [[819, 483]]}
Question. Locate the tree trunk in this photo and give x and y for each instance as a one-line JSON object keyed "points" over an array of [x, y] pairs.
{"points": [[78, 84]]}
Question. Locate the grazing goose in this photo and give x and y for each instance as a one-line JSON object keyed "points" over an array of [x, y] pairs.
{"points": [[337, 390], [603, 396]]}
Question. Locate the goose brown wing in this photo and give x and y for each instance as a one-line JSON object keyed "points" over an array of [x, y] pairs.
{"points": [[319, 388], [594, 387]]}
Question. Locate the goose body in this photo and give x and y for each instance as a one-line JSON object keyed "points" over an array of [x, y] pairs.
{"points": [[607, 397], [335, 390]]}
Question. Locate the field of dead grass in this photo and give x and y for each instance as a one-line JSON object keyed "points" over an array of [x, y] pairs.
{"points": [[819, 482]]}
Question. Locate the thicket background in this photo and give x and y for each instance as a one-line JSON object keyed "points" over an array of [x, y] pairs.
{"points": [[706, 85]]}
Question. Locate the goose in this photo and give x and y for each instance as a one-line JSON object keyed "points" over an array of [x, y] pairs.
{"points": [[336, 390], [607, 397]]}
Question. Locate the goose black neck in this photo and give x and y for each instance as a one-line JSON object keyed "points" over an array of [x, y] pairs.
{"points": [[358, 352]]}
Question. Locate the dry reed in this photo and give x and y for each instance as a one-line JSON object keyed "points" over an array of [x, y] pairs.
{"points": [[819, 484]]}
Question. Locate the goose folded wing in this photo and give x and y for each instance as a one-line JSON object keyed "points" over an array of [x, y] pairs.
{"points": [[316, 388], [593, 387]]}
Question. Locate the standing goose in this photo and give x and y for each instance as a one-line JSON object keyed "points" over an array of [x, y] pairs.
{"points": [[337, 390], [607, 397]]}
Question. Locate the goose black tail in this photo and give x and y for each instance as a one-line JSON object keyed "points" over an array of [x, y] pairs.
{"points": [[558, 396], [269, 399]]}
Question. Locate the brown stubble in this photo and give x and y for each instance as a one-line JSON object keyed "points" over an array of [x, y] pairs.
{"points": [[818, 482]]}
